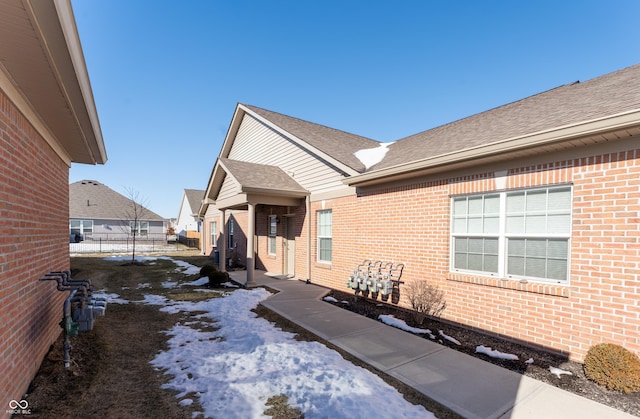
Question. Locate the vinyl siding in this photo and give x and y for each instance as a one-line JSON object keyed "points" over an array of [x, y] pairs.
{"points": [[257, 143], [229, 188]]}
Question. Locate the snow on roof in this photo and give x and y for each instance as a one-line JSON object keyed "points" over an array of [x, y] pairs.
{"points": [[372, 156]]}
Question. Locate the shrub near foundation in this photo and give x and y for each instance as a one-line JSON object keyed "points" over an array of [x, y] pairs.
{"points": [[215, 276], [613, 367]]}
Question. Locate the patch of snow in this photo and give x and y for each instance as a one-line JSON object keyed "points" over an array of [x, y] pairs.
{"points": [[185, 402], [330, 299], [344, 302], [198, 282], [154, 300], [558, 372], [495, 353], [235, 369], [529, 361], [401, 324], [145, 285], [449, 338], [230, 285], [169, 284], [372, 156], [111, 298]]}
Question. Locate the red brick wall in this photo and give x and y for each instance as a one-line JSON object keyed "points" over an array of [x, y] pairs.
{"points": [[410, 224], [34, 237]]}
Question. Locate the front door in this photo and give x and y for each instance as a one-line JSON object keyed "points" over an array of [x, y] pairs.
{"points": [[290, 247]]}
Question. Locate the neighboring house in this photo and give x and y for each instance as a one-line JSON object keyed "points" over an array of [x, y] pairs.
{"points": [[48, 120], [189, 225], [527, 215], [97, 212]]}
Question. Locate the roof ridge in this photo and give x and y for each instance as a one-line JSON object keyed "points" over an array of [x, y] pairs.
{"points": [[252, 107]]}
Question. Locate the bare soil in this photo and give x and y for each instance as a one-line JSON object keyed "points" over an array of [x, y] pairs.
{"points": [[469, 340], [110, 375]]}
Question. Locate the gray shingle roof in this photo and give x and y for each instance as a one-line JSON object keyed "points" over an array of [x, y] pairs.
{"points": [[261, 176], [89, 199], [338, 144], [569, 104], [194, 198]]}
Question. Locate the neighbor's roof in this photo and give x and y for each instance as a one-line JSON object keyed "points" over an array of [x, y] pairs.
{"points": [[601, 109], [338, 144], [194, 198], [42, 70], [92, 200], [254, 177]]}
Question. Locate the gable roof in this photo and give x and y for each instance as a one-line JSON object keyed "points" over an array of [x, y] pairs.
{"points": [[585, 110], [253, 177], [194, 199], [338, 144], [89, 199]]}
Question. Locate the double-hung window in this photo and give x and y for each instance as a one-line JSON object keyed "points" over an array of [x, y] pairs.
{"points": [[324, 235], [81, 227], [522, 234], [139, 228], [273, 228]]}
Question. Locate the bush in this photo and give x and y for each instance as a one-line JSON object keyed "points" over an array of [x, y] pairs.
{"points": [[207, 270], [215, 276], [613, 367], [425, 299], [218, 277]]}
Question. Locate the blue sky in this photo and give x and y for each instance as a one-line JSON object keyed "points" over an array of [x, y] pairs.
{"points": [[167, 75]]}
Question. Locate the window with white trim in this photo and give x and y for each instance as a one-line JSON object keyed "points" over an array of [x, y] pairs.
{"points": [[273, 228], [324, 235], [139, 228], [522, 234], [213, 230], [230, 234], [81, 227]]}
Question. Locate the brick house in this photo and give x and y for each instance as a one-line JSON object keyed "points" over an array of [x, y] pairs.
{"points": [[527, 215], [47, 121]]}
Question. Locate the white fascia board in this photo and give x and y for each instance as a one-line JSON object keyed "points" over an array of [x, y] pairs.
{"points": [[72, 38], [565, 133], [302, 143]]}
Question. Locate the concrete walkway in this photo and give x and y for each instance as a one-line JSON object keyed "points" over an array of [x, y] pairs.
{"points": [[468, 386]]}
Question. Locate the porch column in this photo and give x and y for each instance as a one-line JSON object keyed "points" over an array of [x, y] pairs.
{"points": [[251, 232], [222, 249], [307, 205]]}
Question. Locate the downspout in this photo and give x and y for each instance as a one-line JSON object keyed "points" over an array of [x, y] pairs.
{"points": [[307, 204]]}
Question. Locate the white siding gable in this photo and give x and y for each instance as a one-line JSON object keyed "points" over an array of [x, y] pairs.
{"points": [[257, 143]]}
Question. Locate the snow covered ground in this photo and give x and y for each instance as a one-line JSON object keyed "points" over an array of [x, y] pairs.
{"points": [[232, 371]]}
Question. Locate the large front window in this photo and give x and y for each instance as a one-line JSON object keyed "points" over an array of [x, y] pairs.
{"points": [[324, 235], [521, 234]]}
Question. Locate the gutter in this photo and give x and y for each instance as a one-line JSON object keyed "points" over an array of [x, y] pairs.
{"points": [[542, 138]]}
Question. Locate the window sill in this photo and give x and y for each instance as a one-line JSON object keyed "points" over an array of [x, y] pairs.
{"points": [[323, 265], [512, 284]]}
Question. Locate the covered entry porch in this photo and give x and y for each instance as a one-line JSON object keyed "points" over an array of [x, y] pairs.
{"points": [[272, 194]]}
